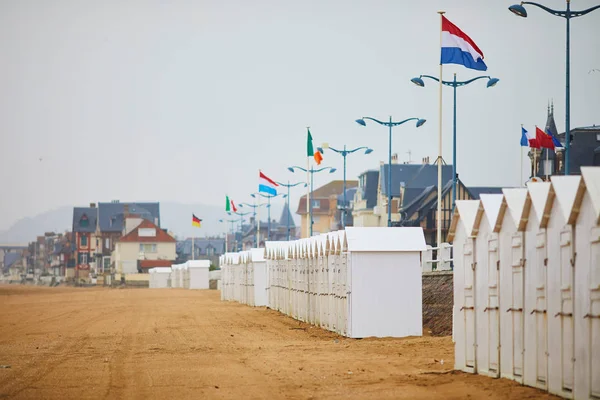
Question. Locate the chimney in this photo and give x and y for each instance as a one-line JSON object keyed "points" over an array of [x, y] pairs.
{"points": [[125, 210], [92, 205], [395, 158]]}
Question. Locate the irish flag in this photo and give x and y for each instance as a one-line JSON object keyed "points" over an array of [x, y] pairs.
{"points": [[310, 151], [229, 205]]}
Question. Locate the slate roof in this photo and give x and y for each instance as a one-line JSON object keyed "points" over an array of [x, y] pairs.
{"points": [[350, 192], [413, 175], [115, 212], [322, 194], [369, 191], [10, 259], [78, 214], [286, 216], [185, 246], [478, 191], [160, 237]]}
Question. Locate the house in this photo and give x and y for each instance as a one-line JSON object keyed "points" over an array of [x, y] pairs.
{"points": [[62, 256], [7, 248], [142, 247], [336, 211], [584, 150], [322, 205], [116, 219], [414, 197], [85, 221], [205, 249]]}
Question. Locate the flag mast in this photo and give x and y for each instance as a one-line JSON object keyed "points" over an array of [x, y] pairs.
{"points": [[308, 187], [258, 218], [439, 160], [521, 170]]}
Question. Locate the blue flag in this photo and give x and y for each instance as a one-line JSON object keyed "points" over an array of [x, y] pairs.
{"points": [[524, 140], [554, 140]]}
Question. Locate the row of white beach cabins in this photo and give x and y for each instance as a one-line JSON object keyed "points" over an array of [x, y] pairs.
{"points": [[192, 274]]}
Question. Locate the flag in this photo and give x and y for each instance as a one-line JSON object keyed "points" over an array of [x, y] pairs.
{"points": [[458, 48], [310, 151], [196, 221], [233, 207], [227, 204], [555, 140], [267, 185], [533, 142], [524, 139], [543, 139]]}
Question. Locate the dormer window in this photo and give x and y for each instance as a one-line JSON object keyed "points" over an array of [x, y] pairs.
{"points": [[83, 221]]}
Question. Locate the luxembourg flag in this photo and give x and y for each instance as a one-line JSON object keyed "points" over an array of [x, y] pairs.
{"points": [[267, 185], [458, 48]]}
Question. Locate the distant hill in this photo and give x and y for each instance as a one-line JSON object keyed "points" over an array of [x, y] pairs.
{"points": [[175, 217]]}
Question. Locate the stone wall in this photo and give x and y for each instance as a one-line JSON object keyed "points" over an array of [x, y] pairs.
{"points": [[438, 298]]}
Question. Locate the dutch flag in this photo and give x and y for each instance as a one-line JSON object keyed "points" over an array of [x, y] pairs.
{"points": [[458, 48]]}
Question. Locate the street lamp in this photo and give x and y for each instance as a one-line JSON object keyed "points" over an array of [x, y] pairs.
{"points": [[288, 186], [519, 10], [268, 197], [242, 215], [311, 171], [390, 124], [454, 84], [344, 153], [254, 207], [231, 221]]}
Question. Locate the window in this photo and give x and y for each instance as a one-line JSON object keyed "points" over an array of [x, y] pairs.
{"points": [[146, 232], [84, 222], [107, 243], [316, 204], [598, 137], [83, 241], [106, 263], [83, 258], [147, 247]]}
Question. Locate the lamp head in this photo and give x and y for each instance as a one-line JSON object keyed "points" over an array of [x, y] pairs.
{"points": [[253, 195], [368, 151], [420, 122], [320, 150], [291, 169], [284, 196], [418, 81], [332, 170], [361, 121], [220, 220], [492, 82], [519, 10]]}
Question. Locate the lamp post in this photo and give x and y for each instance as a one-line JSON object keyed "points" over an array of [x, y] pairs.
{"points": [[288, 186], [454, 84], [311, 171], [344, 153], [254, 207], [268, 197], [241, 220], [231, 221], [390, 124], [519, 10]]}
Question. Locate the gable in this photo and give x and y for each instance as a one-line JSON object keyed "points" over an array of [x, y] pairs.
{"points": [[541, 195], [591, 177], [569, 192]]}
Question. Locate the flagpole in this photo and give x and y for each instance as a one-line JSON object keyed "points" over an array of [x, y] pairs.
{"points": [[258, 220], [193, 252], [308, 216], [439, 180]]}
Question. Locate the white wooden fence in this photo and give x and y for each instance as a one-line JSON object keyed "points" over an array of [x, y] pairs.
{"points": [[359, 282], [527, 285]]}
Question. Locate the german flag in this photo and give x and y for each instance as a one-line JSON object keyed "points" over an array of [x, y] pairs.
{"points": [[196, 221]]}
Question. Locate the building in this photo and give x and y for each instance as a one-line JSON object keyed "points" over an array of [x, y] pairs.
{"points": [[6, 249], [336, 211], [324, 205], [205, 249], [116, 219], [144, 246], [414, 197], [584, 150], [85, 221]]}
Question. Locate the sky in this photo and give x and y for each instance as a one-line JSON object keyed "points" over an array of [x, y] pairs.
{"points": [[165, 100]]}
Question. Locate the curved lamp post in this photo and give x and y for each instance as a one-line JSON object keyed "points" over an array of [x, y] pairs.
{"points": [[268, 197], [344, 153], [254, 207], [519, 10], [311, 171], [242, 215], [390, 124], [288, 186], [454, 84]]}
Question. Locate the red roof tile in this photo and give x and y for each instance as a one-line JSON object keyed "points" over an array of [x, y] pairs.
{"points": [[161, 236], [155, 263]]}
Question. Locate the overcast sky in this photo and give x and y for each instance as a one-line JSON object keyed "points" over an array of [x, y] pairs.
{"points": [[186, 100]]}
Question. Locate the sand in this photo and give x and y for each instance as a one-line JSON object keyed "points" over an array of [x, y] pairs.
{"points": [[76, 343]]}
